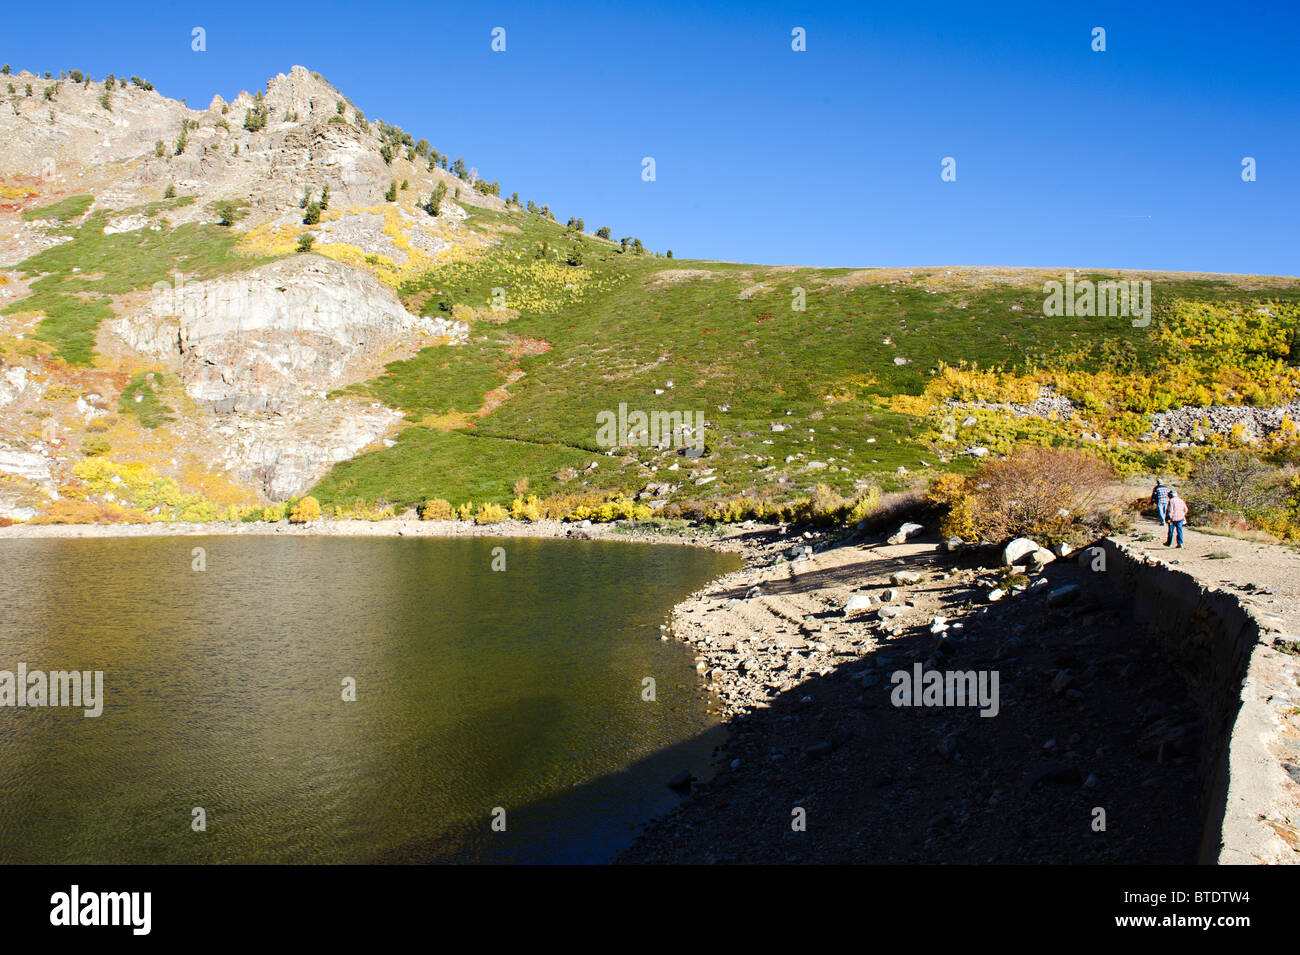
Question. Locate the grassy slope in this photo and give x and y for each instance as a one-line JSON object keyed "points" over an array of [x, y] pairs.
{"points": [[75, 302], [762, 360]]}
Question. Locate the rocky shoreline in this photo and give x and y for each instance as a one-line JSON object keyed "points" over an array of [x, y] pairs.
{"points": [[397, 527], [801, 649]]}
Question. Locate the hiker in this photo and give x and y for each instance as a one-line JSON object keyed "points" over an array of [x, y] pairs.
{"points": [[1160, 497], [1177, 517]]}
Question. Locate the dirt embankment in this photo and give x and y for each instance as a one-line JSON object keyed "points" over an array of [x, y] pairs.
{"points": [[1110, 743]]}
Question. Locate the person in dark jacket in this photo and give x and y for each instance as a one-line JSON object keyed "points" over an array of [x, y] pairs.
{"points": [[1160, 498]]}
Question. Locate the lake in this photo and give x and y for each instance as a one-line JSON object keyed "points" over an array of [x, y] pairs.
{"points": [[513, 695]]}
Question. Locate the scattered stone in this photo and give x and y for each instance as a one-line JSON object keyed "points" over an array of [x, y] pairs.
{"points": [[857, 602], [681, 781], [904, 577], [1041, 558], [996, 594], [904, 532], [1019, 549], [1062, 595]]}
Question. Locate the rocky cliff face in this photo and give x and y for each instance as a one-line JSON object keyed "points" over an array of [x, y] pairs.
{"points": [[258, 352], [262, 351], [270, 338]]}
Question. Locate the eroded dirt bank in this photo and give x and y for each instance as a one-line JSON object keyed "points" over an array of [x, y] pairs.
{"points": [[1112, 712], [1090, 726]]}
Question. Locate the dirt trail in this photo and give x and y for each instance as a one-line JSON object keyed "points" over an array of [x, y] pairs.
{"points": [[1265, 575]]}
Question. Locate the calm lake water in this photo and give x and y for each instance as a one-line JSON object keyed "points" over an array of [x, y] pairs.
{"points": [[223, 690]]}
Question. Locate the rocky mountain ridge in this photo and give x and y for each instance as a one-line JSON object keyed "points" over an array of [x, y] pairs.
{"points": [[257, 348]]}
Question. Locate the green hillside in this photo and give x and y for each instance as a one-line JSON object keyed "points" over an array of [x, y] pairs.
{"points": [[622, 325]]}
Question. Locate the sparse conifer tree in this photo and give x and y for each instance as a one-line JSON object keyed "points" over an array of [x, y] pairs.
{"points": [[434, 205]]}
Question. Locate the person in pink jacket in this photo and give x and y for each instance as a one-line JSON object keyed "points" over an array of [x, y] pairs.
{"points": [[1177, 518]]}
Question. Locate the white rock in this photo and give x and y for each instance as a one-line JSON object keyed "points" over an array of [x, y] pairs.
{"points": [[1042, 557], [1018, 549], [904, 532], [857, 602], [1062, 595]]}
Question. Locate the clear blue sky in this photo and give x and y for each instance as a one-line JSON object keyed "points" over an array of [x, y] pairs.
{"points": [[1065, 157]]}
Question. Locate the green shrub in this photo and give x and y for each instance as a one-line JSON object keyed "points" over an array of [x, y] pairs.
{"points": [[255, 118]]}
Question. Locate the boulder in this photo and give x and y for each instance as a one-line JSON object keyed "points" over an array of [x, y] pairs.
{"points": [[857, 602], [1062, 595], [1041, 557], [681, 781], [902, 577], [904, 532], [1018, 550]]}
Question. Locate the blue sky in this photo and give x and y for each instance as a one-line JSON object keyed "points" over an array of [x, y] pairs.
{"points": [[1065, 157]]}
